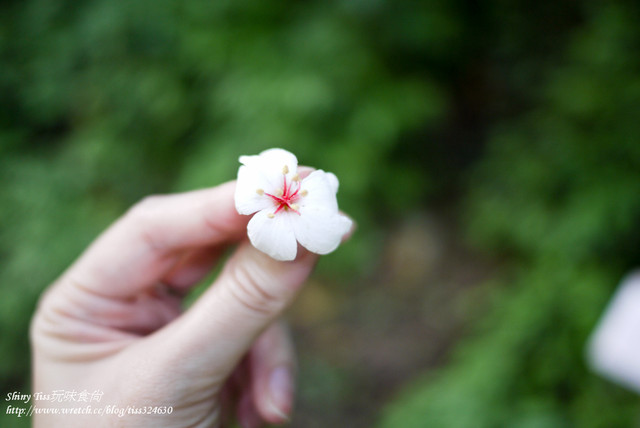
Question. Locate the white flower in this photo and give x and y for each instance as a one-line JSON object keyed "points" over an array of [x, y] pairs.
{"points": [[287, 208]]}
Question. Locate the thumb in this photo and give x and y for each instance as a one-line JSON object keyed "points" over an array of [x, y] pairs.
{"points": [[252, 291]]}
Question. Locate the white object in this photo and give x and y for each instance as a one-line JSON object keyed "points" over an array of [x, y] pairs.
{"points": [[614, 348], [288, 209]]}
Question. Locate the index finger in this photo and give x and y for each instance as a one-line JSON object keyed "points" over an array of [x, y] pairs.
{"points": [[143, 245]]}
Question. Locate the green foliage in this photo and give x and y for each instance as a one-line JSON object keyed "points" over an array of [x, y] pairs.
{"points": [[557, 196]]}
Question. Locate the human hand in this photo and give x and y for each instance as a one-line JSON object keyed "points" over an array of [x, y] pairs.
{"points": [[113, 320]]}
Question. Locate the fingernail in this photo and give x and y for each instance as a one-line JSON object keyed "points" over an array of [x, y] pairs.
{"points": [[281, 392]]}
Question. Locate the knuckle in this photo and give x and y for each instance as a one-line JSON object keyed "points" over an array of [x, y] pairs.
{"points": [[248, 288], [142, 218]]}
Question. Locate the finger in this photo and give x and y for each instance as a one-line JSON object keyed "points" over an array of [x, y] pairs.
{"points": [[231, 393], [145, 243], [140, 315], [273, 365], [247, 414], [237, 387], [191, 269], [220, 327]]}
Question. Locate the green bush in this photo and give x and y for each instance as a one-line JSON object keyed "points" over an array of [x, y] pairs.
{"points": [[557, 197]]}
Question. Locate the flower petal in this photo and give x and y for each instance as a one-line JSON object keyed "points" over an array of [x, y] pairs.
{"points": [[333, 181], [320, 230], [319, 186], [270, 165], [247, 198], [273, 236]]}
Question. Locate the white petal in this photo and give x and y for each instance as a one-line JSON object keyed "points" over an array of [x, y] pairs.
{"points": [[320, 230], [270, 165], [247, 197], [333, 181], [614, 349], [280, 156], [273, 236], [320, 192]]}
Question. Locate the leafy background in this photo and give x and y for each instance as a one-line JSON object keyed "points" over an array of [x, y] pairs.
{"points": [[488, 151]]}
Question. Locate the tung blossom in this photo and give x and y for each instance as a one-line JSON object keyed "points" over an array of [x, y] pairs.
{"points": [[288, 209]]}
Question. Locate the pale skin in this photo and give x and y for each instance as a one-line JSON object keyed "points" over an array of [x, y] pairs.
{"points": [[113, 321]]}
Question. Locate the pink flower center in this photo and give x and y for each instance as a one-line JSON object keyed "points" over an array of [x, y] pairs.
{"points": [[289, 195]]}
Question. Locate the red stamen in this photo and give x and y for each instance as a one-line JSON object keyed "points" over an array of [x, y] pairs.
{"points": [[295, 211], [276, 198], [296, 192], [286, 200]]}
